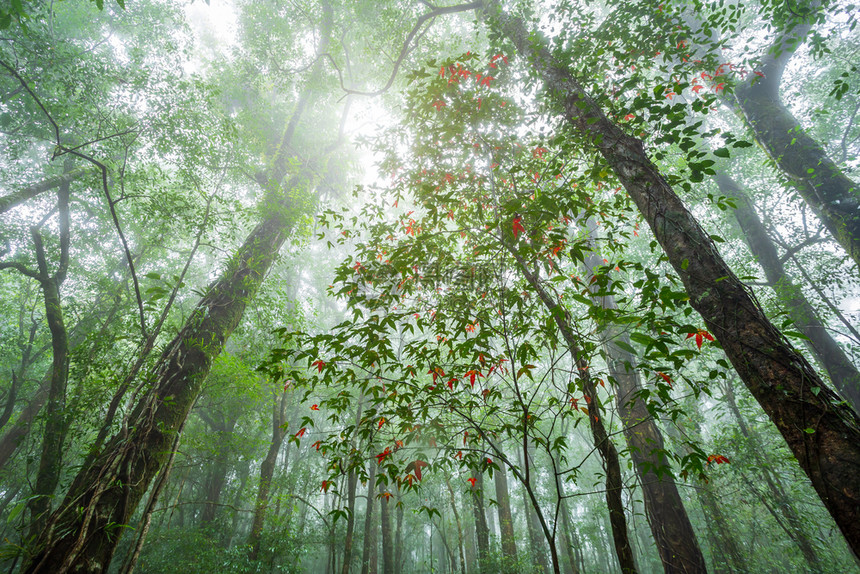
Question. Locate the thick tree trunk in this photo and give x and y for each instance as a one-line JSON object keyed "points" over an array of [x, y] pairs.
{"points": [[15, 199], [673, 533], [833, 197], [843, 373], [823, 434], [267, 471], [83, 533], [506, 521], [782, 507]]}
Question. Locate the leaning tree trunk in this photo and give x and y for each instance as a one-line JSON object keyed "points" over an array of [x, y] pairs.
{"points": [[673, 533], [822, 433], [83, 533], [843, 373], [833, 197]]}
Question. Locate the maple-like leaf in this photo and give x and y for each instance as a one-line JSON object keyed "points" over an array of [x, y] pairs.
{"points": [[315, 407], [518, 226], [700, 336], [319, 364], [473, 481]]}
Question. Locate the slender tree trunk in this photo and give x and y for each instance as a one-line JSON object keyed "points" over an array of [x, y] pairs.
{"points": [[571, 566], [602, 442], [822, 434], [51, 459], [673, 533], [482, 532], [398, 539], [368, 553], [216, 476], [536, 535], [351, 485], [843, 373], [385, 525], [267, 471], [506, 521], [459, 524]]}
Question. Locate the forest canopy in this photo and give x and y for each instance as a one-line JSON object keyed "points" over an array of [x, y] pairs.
{"points": [[418, 286]]}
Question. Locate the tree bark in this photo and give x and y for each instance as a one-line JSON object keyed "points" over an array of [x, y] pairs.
{"points": [[783, 510], [109, 489], [267, 471], [536, 534], [51, 459], [506, 521], [843, 373], [673, 533], [833, 197], [385, 525], [822, 433], [368, 553], [482, 532]]}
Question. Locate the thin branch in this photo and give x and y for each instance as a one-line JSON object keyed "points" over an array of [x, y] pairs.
{"points": [[406, 48], [105, 188]]}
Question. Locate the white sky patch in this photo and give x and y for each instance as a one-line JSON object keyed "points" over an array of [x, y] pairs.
{"points": [[215, 31]]}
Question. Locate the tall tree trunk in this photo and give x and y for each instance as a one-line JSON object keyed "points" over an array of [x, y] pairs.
{"points": [[673, 533], [368, 553], [570, 563], [506, 521], [482, 532], [783, 505], [843, 373], [602, 442], [460, 540], [221, 425], [398, 538], [833, 197], [822, 434], [536, 535], [83, 533], [51, 459], [267, 471], [385, 525], [351, 486]]}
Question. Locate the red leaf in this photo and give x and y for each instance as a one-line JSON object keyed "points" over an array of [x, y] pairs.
{"points": [[317, 444], [383, 455], [381, 422], [325, 485], [518, 226], [319, 364], [315, 407], [419, 464], [473, 481], [666, 378], [301, 432]]}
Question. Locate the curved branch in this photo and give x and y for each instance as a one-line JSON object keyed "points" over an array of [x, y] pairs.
{"points": [[404, 51]]}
